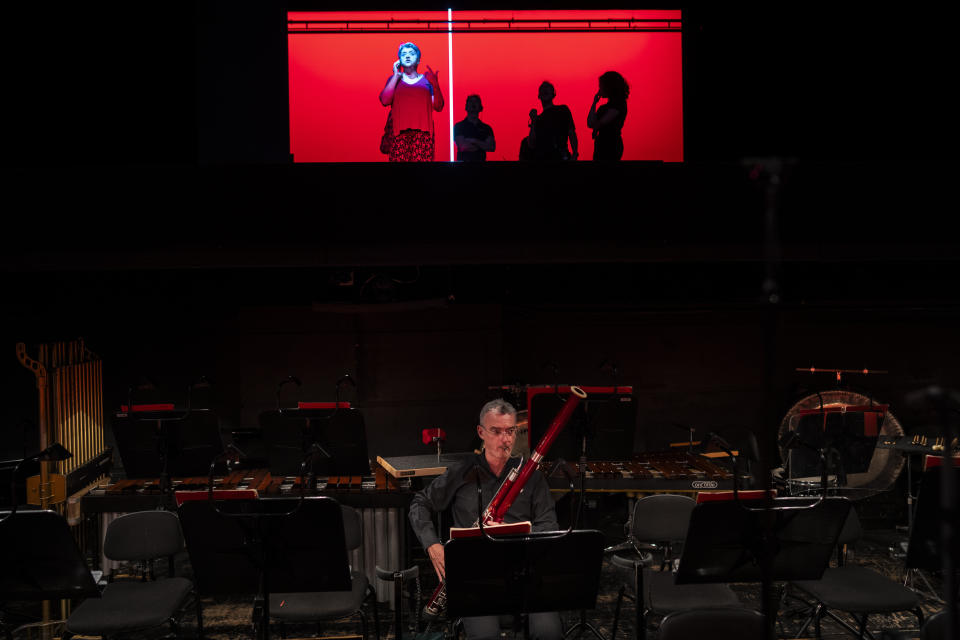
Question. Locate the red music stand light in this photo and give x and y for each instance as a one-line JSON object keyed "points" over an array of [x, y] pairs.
{"points": [[429, 436]]}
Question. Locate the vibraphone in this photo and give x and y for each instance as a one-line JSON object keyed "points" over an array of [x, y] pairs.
{"points": [[381, 499], [673, 471], [651, 472]]}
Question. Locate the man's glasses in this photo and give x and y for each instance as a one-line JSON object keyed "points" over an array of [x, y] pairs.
{"points": [[509, 431]]}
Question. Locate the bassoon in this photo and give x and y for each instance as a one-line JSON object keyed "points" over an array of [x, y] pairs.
{"points": [[511, 488]]}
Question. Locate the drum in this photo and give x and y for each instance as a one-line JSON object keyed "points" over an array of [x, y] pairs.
{"points": [[811, 486], [869, 469]]}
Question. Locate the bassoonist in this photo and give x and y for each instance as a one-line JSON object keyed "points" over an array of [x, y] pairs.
{"points": [[511, 488]]}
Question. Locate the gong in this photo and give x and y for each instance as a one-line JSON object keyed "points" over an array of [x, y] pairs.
{"points": [[852, 423]]}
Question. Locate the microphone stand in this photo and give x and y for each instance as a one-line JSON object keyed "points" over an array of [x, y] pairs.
{"points": [[582, 474], [727, 449]]}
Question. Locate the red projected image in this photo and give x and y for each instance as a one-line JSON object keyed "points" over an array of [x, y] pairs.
{"points": [[341, 63]]}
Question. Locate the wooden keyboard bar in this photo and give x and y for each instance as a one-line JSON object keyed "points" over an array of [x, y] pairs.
{"points": [[668, 471]]}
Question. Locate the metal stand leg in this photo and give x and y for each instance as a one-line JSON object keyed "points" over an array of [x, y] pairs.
{"points": [[583, 624], [927, 590]]}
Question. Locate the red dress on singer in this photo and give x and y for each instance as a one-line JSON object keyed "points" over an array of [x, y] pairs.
{"points": [[412, 115]]}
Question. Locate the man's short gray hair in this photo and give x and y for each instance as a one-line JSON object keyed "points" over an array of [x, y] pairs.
{"points": [[498, 406]]}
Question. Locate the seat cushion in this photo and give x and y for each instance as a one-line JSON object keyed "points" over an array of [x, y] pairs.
{"points": [[662, 595], [128, 606], [320, 605], [713, 624], [859, 590]]}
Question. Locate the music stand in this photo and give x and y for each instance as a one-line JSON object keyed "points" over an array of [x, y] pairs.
{"points": [[725, 541], [608, 419], [742, 541], [18, 484], [925, 547], [523, 574], [41, 559], [848, 437], [341, 432], [265, 546], [165, 444]]}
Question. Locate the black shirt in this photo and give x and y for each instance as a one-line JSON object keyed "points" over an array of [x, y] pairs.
{"points": [[608, 143], [551, 129], [479, 130], [454, 489]]}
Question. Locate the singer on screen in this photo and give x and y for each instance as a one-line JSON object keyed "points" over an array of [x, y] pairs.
{"points": [[412, 98]]}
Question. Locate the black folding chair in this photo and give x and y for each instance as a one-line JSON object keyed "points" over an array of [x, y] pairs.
{"points": [[856, 590], [659, 525], [331, 605], [136, 606]]}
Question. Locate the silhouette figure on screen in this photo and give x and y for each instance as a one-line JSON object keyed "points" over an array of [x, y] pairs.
{"points": [[526, 153], [473, 137], [412, 98], [550, 130], [607, 120]]}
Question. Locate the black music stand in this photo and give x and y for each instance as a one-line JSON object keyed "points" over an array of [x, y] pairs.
{"points": [[165, 444], [607, 419], [290, 433], [259, 547], [841, 436], [925, 542], [742, 541], [925, 547], [16, 478], [523, 574], [41, 560], [726, 540]]}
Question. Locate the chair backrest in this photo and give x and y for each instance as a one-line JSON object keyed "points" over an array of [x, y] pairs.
{"points": [[143, 535], [352, 527], [715, 623], [661, 517]]}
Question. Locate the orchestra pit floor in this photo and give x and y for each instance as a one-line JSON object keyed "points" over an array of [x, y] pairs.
{"points": [[230, 618]]}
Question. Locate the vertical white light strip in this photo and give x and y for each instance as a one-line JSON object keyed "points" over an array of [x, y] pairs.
{"points": [[450, 77]]}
